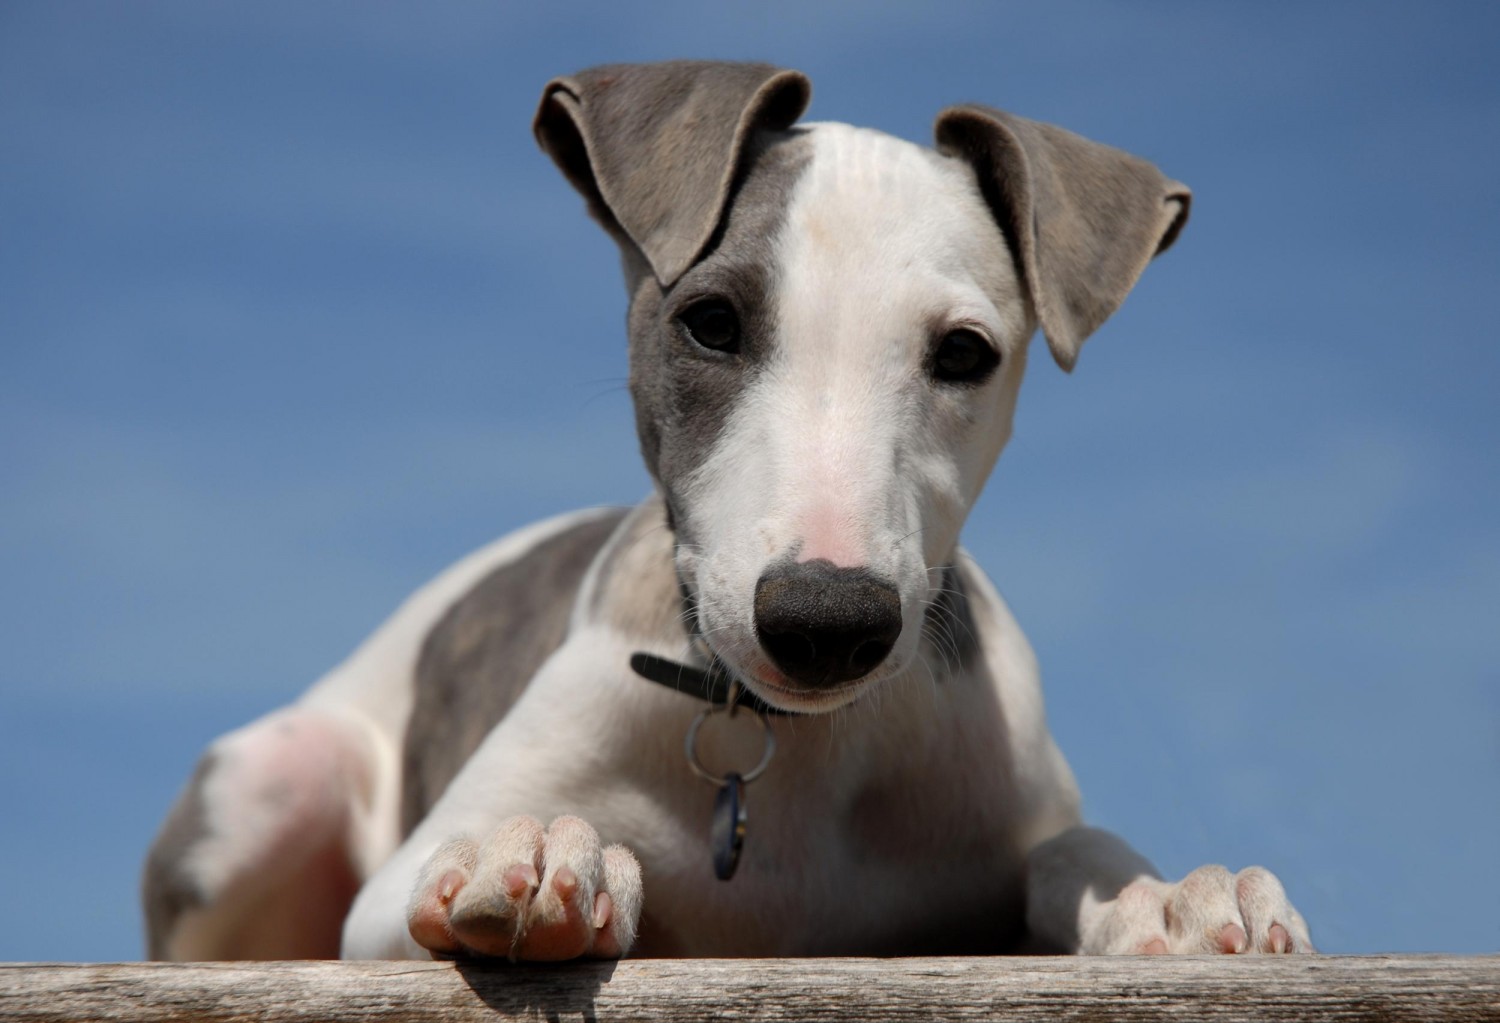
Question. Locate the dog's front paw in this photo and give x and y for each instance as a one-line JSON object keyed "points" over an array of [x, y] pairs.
{"points": [[525, 892], [1210, 910]]}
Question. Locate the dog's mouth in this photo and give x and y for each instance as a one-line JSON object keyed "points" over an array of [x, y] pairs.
{"points": [[757, 672], [816, 640], [808, 701], [719, 684], [774, 688]]}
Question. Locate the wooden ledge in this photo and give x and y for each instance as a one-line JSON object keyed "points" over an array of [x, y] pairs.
{"points": [[1207, 988]]}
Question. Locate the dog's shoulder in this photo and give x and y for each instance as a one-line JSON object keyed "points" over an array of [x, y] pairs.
{"points": [[611, 571], [478, 657]]}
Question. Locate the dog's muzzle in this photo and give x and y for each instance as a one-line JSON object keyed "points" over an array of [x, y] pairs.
{"points": [[822, 625]]}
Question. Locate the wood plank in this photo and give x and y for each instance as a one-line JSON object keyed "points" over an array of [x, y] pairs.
{"points": [[1207, 988]]}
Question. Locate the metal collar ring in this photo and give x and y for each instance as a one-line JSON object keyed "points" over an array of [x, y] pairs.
{"points": [[691, 746]]}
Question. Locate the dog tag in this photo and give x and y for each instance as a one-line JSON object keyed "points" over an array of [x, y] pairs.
{"points": [[727, 835]]}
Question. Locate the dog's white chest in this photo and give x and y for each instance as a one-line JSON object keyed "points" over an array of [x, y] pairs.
{"points": [[851, 840]]}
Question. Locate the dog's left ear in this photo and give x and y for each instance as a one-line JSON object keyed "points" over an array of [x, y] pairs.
{"points": [[655, 147], [1082, 219]]}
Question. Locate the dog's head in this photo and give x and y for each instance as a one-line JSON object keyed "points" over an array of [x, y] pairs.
{"points": [[828, 328]]}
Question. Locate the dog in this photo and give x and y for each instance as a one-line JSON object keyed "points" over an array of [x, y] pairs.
{"points": [[827, 328]]}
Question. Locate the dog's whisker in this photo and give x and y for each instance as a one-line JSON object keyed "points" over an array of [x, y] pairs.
{"points": [[900, 540], [947, 611], [932, 682], [606, 392], [950, 621], [940, 645]]}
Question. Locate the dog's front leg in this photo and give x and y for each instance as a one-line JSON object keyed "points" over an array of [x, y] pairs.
{"points": [[1089, 892], [524, 891], [510, 862]]}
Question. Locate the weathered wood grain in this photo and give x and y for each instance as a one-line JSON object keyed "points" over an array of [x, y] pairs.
{"points": [[1311, 988]]}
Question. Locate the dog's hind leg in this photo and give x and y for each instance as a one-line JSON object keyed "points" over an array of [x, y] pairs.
{"points": [[286, 817], [261, 855]]}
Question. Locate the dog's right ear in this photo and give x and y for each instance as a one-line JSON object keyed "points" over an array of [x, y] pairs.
{"points": [[1083, 218], [655, 147]]}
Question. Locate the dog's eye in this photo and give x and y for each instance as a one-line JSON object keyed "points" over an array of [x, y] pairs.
{"points": [[964, 357], [712, 324]]}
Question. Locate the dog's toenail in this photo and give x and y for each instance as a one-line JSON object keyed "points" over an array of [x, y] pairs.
{"points": [[1232, 939], [518, 879], [1279, 939], [604, 908]]}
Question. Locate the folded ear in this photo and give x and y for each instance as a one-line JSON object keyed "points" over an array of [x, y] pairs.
{"points": [[1082, 219], [654, 147]]}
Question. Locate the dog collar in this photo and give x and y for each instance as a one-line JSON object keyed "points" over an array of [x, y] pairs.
{"points": [[713, 685], [724, 695]]}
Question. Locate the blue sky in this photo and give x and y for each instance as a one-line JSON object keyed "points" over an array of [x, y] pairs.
{"points": [[293, 313]]}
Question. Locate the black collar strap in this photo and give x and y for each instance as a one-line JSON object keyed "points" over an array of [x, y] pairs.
{"points": [[712, 685]]}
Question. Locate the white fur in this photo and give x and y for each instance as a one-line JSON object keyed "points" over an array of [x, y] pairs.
{"points": [[844, 447]]}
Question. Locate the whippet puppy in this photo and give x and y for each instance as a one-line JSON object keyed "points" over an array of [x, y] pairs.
{"points": [[828, 328]]}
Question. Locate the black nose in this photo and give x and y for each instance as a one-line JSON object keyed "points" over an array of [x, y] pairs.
{"points": [[824, 625]]}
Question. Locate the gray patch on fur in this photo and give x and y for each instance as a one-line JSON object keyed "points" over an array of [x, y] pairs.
{"points": [[690, 166], [683, 394], [479, 657], [167, 890]]}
